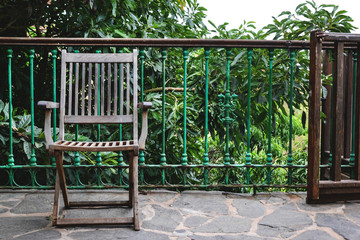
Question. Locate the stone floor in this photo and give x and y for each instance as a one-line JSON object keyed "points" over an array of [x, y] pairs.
{"points": [[187, 215]]}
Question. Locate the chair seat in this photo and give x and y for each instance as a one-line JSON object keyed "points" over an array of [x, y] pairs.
{"points": [[94, 146]]}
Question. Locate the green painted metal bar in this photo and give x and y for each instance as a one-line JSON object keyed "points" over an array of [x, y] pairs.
{"points": [[32, 156], [11, 161], [184, 155], [179, 166], [248, 133], [248, 116], [269, 155], [54, 112], [352, 154], [163, 154], [227, 107], [141, 155], [227, 115], [206, 130], [98, 155], [77, 156], [290, 155]]}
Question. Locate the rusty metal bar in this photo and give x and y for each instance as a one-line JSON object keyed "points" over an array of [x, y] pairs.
{"points": [[148, 42]]}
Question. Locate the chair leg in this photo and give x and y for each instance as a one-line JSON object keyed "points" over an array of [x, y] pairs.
{"points": [[56, 200], [131, 179], [61, 176], [135, 192]]}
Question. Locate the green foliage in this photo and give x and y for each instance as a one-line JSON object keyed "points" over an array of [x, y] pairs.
{"points": [[307, 17], [21, 136], [174, 19]]}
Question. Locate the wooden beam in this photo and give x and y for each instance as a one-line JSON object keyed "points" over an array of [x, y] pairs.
{"points": [[338, 113], [357, 123], [314, 117]]}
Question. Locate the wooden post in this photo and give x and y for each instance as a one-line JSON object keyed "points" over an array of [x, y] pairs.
{"points": [[348, 90], [314, 117], [326, 124], [338, 118], [357, 123]]}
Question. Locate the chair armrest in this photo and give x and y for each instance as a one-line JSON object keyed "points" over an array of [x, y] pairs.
{"points": [[145, 105], [144, 129], [48, 104], [47, 125]]}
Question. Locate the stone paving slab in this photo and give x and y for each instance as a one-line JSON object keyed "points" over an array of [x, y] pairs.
{"points": [[196, 215]]}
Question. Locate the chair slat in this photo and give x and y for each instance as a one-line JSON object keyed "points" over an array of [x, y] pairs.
{"points": [[102, 94], [96, 103], [70, 88], [114, 119], [76, 108], [90, 89], [94, 58], [83, 79], [109, 90], [121, 89], [127, 88], [115, 88]]}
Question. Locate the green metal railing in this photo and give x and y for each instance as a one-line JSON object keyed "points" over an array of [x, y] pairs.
{"points": [[163, 171]]}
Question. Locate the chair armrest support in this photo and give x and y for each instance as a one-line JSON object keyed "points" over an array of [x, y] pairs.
{"points": [[47, 125], [144, 129]]}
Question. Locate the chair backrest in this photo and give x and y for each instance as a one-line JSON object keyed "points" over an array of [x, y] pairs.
{"points": [[98, 88]]}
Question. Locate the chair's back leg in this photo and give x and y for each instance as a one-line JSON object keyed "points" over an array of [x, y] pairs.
{"points": [[131, 179], [134, 189], [56, 200], [61, 176]]}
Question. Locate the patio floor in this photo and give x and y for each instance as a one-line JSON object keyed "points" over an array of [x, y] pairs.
{"points": [[187, 215]]}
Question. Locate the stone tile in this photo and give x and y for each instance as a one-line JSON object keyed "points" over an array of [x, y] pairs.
{"points": [[222, 237], [120, 233], [144, 199], [11, 226], [352, 211], [195, 221], [226, 224], [162, 196], [317, 208], [35, 203], [249, 207], [339, 224], [11, 196], [165, 219], [42, 234], [3, 210], [283, 221], [274, 198], [314, 235], [9, 203], [201, 203], [98, 212]]}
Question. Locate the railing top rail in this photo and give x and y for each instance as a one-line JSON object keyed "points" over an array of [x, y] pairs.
{"points": [[344, 37], [150, 42]]}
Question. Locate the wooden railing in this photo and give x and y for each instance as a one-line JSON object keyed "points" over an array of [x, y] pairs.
{"points": [[334, 126]]}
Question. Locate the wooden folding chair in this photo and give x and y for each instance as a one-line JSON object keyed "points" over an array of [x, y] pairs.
{"points": [[97, 89]]}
